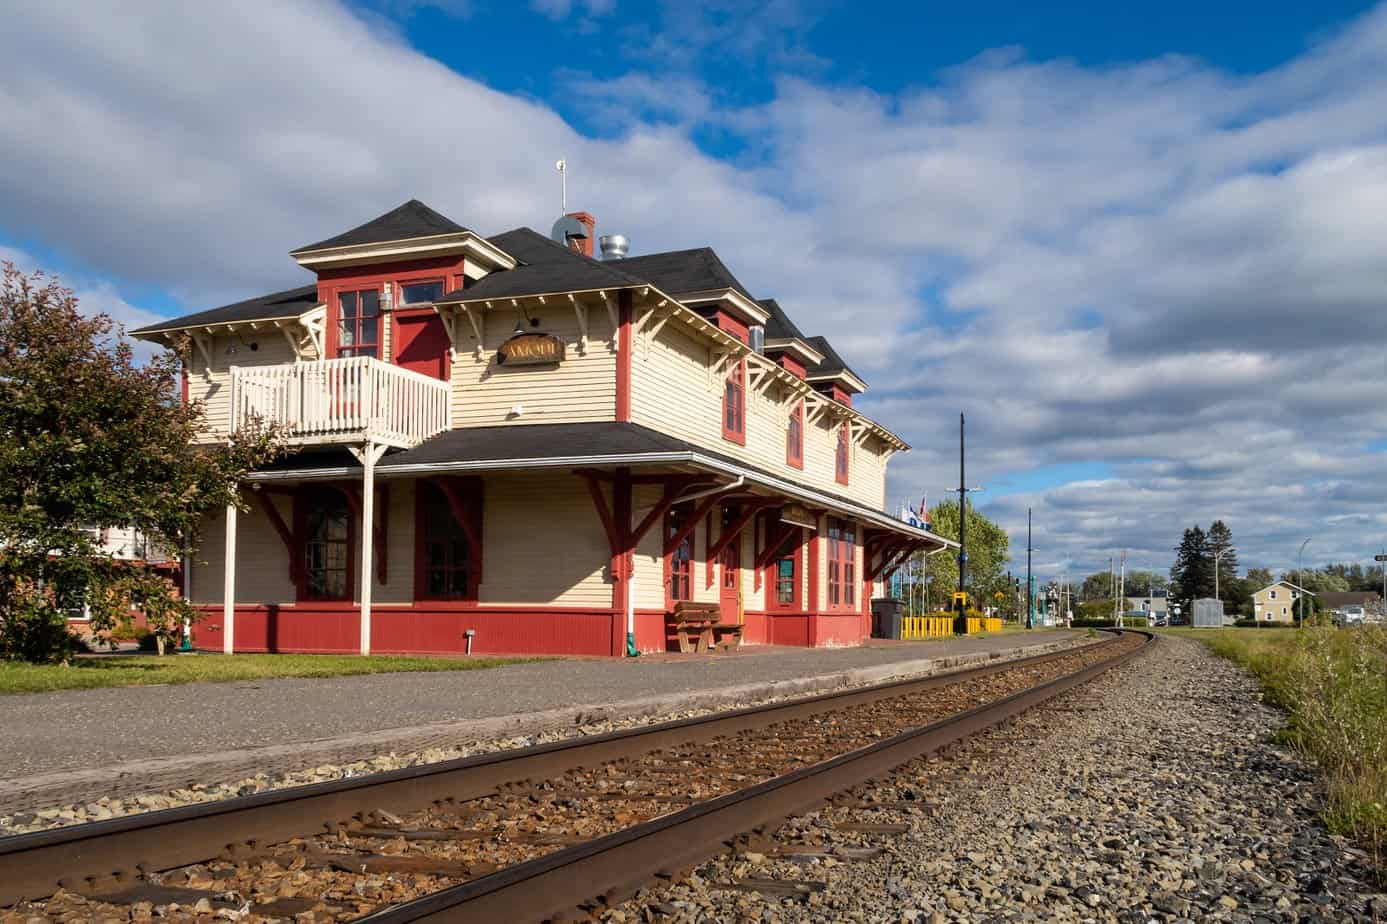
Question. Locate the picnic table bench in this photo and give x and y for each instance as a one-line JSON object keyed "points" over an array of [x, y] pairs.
{"points": [[698, 626]]}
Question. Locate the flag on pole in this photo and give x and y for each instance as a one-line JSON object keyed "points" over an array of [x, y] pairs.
{"points": [[924, 509]]}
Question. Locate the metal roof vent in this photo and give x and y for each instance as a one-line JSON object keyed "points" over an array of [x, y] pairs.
{"points": [[758, 338], [614, 246]]}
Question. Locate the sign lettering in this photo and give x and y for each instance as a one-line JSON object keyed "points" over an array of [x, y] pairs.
{"points": [[531, 349]]}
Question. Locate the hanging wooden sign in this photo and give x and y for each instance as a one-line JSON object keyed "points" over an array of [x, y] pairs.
{"points": [[531, 349], [798, 515]]}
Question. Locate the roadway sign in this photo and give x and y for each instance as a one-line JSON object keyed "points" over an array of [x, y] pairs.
{"points": [[1380, 558]]}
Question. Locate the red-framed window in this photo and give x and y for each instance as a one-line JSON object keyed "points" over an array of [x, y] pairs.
{"points": [[841, 456], [448, 563], [328, 530], [419, 293], [794, 437], [734, 404], [679, 562], [842, 564], [784, 578], [358, 322]]}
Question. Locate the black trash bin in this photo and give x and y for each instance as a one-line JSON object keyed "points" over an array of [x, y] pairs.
{"points": [[886, 617]]}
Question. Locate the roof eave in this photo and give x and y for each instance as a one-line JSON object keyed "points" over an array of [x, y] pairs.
{"points": [[797, 346], [752, 311], [841, 375], [466, 243]]}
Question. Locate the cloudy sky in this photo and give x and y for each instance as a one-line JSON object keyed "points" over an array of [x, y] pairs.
{"points": [[1146, 253]]}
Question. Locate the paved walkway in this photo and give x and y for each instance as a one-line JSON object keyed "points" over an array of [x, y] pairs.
{"points": [[127, 731]]}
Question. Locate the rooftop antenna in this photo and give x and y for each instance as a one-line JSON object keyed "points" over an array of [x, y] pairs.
{"points": [[562, 167]]}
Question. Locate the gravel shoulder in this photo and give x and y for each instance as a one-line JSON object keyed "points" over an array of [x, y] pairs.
{"points": [[1152, 794]]}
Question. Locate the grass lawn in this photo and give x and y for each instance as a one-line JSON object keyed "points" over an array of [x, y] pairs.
{"points": [[1333, 684], [142, 670]]}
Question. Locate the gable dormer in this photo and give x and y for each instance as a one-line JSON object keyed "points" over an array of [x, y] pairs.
{"points": [[400, 263], [831, 377]]}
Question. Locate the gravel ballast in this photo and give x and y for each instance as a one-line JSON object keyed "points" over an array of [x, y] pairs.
{"points": [[1152, 794]]}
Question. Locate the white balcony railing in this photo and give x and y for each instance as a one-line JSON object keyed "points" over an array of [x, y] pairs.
{"points": [[341, 400]]}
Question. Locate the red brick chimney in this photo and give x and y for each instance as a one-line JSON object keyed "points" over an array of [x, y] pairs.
{"points": [[584, 245]]}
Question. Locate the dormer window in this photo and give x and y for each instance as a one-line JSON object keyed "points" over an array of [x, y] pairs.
{"points": [[421, 293]]}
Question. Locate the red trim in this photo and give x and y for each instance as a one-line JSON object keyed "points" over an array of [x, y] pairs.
{"points": [[623, 356], [735, 383], [731, 325], [686, 533], [348, 278], [839, 567], [791, 365], [794, 448]]}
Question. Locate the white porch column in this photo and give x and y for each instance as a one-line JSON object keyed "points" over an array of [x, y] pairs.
{"points": [[369, 455], [229, 584]]}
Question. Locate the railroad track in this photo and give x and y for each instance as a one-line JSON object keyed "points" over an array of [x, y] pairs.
{"points": [[539, 833]]}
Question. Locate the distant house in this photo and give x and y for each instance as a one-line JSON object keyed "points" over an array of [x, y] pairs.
{"points": [[1370, 600], [1276, 602], [1153, 604]]}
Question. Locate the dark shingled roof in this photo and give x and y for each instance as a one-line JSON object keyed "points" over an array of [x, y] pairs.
{"points": [[680, 271], [779, 326], [1337, 598], [287, 304], [832, 361], [546, 266], [510, 442], [413, 219]]}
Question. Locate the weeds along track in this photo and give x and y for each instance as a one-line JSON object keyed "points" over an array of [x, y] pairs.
{"points": [[531, 834]]}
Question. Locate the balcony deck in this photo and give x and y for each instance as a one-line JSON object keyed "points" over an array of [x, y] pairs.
{"points": [[338, 401]]}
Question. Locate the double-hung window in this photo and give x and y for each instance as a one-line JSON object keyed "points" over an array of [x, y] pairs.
{"points": [[842, 563], [448, 566], [794, 437], [840, 457], [326, 546], [358, 323], [734, 404]]}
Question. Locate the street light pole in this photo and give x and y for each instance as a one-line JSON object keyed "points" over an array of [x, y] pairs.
{"points": [[1030, 594], [961, 618], [1300, 579], [1218, 556]]}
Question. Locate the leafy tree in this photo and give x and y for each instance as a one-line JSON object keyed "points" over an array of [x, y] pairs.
{"points": [[89, 440], [1260, 577], [988, 550]]}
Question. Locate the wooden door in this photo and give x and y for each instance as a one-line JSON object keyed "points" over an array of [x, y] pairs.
{"points": [[420, 342], [730, 576]]}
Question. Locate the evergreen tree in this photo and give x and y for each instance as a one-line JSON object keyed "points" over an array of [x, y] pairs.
{"points": [[1193, 570], [1221, 540]]}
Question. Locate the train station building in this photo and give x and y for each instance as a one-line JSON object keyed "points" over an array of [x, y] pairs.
{"points": [[512, 444]]}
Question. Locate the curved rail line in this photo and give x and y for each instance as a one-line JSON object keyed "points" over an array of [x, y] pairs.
{"points": [[109, 855]]}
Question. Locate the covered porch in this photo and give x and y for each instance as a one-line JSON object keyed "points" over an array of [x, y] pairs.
{"points": [[557, 539]]}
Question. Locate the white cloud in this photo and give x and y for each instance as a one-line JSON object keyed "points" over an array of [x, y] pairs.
{"points": [[1159, 265]]}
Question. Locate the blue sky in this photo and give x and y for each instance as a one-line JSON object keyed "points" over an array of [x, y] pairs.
{"points": [[1144, 248]]}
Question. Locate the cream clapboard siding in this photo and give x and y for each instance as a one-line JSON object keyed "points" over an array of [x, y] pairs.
{"points": [[213, 386], [536, 553], [671, 391], [262, 564], [581, 388], [544, 543], [649, 575]]}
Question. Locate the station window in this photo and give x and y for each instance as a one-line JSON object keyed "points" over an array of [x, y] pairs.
{"points": [[358, 323], [448, 563], [327, 541], [734, 404], [794, 437], [840, 456], [842, 563]]}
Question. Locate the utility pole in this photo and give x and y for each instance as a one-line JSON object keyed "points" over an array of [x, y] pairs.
{"points": [[961, 618], [1030, 591]]}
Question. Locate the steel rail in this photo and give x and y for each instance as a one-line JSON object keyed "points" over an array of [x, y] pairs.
{"points": [[603, 871], [119, 851]]}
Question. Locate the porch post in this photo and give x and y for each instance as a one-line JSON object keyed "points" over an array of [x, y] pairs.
{"points": [[229, 584], [368, 455]]}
